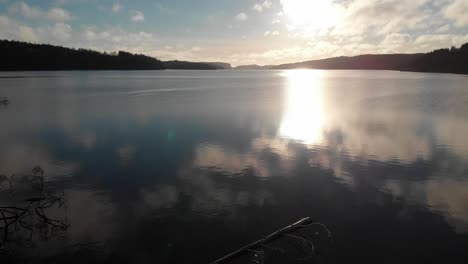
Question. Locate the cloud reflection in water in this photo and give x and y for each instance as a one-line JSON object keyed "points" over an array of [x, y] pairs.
{"points": [[249, 155]]}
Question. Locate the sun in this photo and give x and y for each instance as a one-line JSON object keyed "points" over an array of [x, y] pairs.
{"points": [[312, 14]]}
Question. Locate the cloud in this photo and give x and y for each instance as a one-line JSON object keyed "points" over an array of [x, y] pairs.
{"points": [[109, 38], [27, 11], [395, 41], [259, 7], [271, 33], [100, 38], [267, 4], [403, 26], [54, 14], [429, 42], [116, 8], [242, 17], [58, 14], [443, 28], [458, 12], [12, 30], [137, 16], [61, 31], [393, 16]]}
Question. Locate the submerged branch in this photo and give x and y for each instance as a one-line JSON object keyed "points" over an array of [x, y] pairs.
{"points": [[267, 239], [16, 216]]}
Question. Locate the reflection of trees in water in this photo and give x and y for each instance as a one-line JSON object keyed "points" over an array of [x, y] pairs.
{"points": [[26, 206]]}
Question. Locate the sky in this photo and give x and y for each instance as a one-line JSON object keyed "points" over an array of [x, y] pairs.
{"points": [[239, 31]]}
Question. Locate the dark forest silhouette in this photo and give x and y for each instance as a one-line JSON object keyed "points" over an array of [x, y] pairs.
{"points": [[453, 60], [364, 62], [23, 56], [186, 65], [26, 56]]}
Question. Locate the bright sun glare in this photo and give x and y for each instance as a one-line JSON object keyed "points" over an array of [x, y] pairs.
{"points": [[303, 116], [313, 14]]}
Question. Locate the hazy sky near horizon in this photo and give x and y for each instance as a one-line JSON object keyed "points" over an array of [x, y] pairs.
{"points": [[240, 31]]}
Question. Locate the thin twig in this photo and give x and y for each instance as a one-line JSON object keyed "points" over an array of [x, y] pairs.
{"points": [[305, 241], [5, 235]]}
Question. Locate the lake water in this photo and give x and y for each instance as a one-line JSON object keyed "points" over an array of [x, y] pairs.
{"points": [[187, 166]]}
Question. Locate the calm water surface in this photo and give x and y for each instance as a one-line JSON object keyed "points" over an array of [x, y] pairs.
{"points": [[187, 166]]}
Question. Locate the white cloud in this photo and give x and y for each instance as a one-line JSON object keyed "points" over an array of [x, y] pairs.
{"points": [[259, 7], [458, 12], [242, 17], [436, 41], [383, 17], [402, 26], [116, 8], [15, 31], [54, 14], [61, 31], [107, 38], [271, 33], [396, 39], [27, 34], [443, 28], [137, 16], [58, 14], [267, 4], [27, 11]]}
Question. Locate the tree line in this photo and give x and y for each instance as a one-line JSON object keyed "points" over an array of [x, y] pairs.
{"points": [[453, 60], [24, 56]]}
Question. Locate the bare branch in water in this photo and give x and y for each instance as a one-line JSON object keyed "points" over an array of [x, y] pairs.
{"points": [[17, 216], [278, 242], [305, 241]]}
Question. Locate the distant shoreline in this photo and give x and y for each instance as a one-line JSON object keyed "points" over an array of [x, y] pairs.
{"points": [[186, 70], [21, 56]]}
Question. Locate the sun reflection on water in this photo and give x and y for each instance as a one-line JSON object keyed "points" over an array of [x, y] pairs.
{"points": [[303, 115]]}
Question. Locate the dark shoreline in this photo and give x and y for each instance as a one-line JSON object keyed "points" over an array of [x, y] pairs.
{"points": [[21, 56]]}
